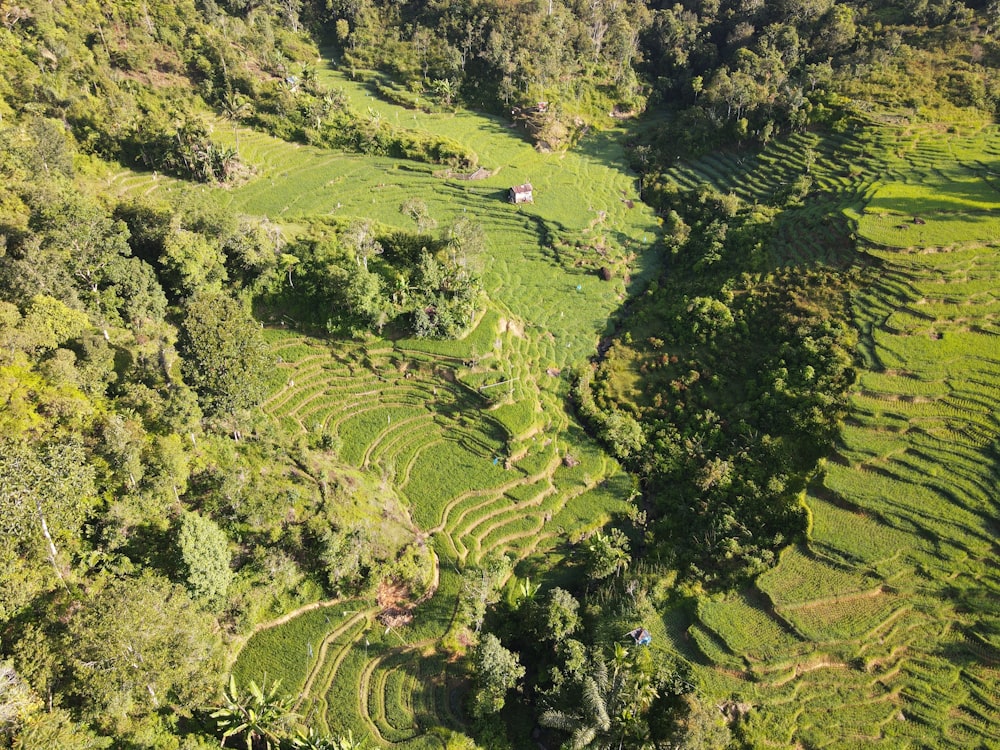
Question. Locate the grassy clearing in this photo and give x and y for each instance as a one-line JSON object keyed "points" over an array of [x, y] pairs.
{"points": [[801, 577]]}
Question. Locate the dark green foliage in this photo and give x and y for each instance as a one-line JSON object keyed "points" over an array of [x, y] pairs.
{"points": [[502, 56], [46, 494], [560, 615], [721, 391], [732, 422], [701, 725], [368, 279], [205, 556], [138, 644], [187, 152], [72, 250], [601, 699], [496, 670], [224, 353]]}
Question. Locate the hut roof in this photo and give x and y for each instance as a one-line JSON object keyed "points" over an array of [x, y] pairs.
{"points": [[641, 636]]}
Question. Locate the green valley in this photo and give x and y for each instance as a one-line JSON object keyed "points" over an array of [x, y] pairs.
{"points": [[311, 437]]}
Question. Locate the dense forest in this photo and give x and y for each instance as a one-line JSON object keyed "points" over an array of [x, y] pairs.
{"points": [[154, 516]]}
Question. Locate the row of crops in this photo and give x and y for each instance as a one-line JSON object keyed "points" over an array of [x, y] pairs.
{"points": [[863, 635], [473, 435], [875, 633]]}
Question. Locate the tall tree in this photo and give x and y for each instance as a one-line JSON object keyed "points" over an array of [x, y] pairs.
{"points": [[206, 557], [139, 644], [45, 495], [560, 615], [495, 671], [224, 353]]}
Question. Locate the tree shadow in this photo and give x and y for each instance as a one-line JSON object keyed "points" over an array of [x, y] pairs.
{"points": [[155, 547]]}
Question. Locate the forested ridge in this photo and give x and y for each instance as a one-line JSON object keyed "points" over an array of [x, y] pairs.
{"points": [[159, 508]]}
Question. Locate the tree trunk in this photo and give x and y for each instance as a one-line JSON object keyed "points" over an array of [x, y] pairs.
{"points": [[51, 544]]}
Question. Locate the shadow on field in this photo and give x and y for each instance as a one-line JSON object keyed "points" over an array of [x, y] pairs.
{"points": [[605, 148]]}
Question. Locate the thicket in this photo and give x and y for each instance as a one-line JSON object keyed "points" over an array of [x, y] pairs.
{"points": [[358, 277], [726, 424], [743, 73], [136, 83], [577, 56], [586, 680]]}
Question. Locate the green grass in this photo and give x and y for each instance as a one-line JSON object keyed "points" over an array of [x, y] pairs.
{"points": [[288, 652], [844, 619]]}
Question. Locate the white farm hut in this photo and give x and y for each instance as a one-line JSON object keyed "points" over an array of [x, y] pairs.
{"points": [[520, 194]]}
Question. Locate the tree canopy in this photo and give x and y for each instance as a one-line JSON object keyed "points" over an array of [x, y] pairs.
{"points": [[225, 355]]}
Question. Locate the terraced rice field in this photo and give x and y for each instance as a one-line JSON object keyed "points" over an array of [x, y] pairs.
{"points": [[476, 484], [867, 635], [875, 633], [474, 435]]}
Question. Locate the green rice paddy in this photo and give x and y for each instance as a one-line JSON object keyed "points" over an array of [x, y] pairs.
{"points": [[855, 639], [482, 472], [859, 637]]}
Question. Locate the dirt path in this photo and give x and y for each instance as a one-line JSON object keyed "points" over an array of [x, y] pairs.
{"points": [[295, 613], [324, 646]]}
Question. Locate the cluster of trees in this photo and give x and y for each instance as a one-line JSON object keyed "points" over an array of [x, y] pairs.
{"points": [[731, 424], [747, 71], [743, 381], [502, 54], [142, 529], [561, 666], [728, 70], [121, 78], [361, 277], [742, 70]]}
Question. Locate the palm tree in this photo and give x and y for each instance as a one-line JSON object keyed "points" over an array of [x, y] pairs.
{"points": [[611, 706], [608, 554], [590, 726], [258, 716], [526, 591], [234, 108]]}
